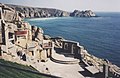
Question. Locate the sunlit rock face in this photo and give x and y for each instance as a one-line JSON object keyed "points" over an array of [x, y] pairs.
{"points": [[32, 12], [10, 14], [87, 13]]}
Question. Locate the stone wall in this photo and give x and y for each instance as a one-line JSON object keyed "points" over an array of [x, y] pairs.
{"points": [[71, 47]]}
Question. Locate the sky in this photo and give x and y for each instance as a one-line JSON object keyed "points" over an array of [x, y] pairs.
{"points": [[70, 5]]}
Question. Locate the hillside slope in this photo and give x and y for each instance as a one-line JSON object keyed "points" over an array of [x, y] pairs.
{"points": [[14, 70]]}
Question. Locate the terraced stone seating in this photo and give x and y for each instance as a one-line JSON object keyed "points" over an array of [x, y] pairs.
{"points": [[59, 58]]}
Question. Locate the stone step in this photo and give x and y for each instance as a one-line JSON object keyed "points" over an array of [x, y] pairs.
{"points": [[59, 58]]}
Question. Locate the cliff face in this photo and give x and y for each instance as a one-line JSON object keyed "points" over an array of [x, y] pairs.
{"points": [[23, 54], [31, 12], [87, 13], [9, 14]]}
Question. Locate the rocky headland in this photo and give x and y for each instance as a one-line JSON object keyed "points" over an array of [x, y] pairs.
{"points": [[34, 12], [25, 44], [86, 13]]}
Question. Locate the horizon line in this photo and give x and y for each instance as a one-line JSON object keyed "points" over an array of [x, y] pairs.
{"points": [[58, 8]]}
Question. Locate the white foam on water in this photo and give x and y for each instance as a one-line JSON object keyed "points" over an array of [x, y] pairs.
{"points": [[99, 18], [43, 19]]}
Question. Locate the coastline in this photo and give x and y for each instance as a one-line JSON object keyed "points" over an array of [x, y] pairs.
{"points": [[26, 44], [88, 57], [103, 47]]}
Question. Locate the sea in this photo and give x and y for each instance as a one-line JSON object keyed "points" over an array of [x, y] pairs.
{"points": [[100, 35]]}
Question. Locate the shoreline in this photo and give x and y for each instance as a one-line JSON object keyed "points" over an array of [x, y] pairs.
{"points": [[27, 45], [79, 41]]}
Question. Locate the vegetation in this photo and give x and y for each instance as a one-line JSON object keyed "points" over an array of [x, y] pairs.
{"points": [[14, 70]]}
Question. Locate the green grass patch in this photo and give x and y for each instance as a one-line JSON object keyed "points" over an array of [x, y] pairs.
{"points": [[14, 70]]}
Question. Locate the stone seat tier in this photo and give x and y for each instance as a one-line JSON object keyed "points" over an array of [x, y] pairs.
{"points": [[59, 58]]}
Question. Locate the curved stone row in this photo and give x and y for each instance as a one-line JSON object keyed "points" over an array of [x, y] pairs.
{"points": [[64, 62], [58, 58]]}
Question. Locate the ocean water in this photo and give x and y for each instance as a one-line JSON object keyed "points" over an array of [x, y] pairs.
{"points": [[99, 35]]}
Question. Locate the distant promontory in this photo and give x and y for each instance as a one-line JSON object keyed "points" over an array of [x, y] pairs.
{"points": [[34, 12], [86, 13]]}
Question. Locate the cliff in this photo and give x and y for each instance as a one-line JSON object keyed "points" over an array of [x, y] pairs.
{"points": [[87, 13], [27, 45], [32, 12]]}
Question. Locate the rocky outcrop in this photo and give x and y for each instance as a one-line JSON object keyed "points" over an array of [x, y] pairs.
{"points": [[32, 12], [12, 19], [37, 33], [87, 13], [47, 37], [10, 15]]}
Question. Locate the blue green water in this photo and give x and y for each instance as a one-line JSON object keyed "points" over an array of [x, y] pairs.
{"points": [[99, 35]]}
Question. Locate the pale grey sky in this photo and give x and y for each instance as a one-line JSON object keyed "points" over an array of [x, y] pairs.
{"points": [[70, 5]]}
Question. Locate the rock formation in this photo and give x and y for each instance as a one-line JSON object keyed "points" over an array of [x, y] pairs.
{"points": [[10, 14], [31, 12], [37, 33], [87, 13], [29, 46]]}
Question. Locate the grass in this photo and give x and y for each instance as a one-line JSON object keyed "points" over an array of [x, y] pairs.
{"points": [[14, 70]]}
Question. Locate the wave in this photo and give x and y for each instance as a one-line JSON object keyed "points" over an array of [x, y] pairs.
{"points": [[97, 18], [45, 19], [42, 19]]}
